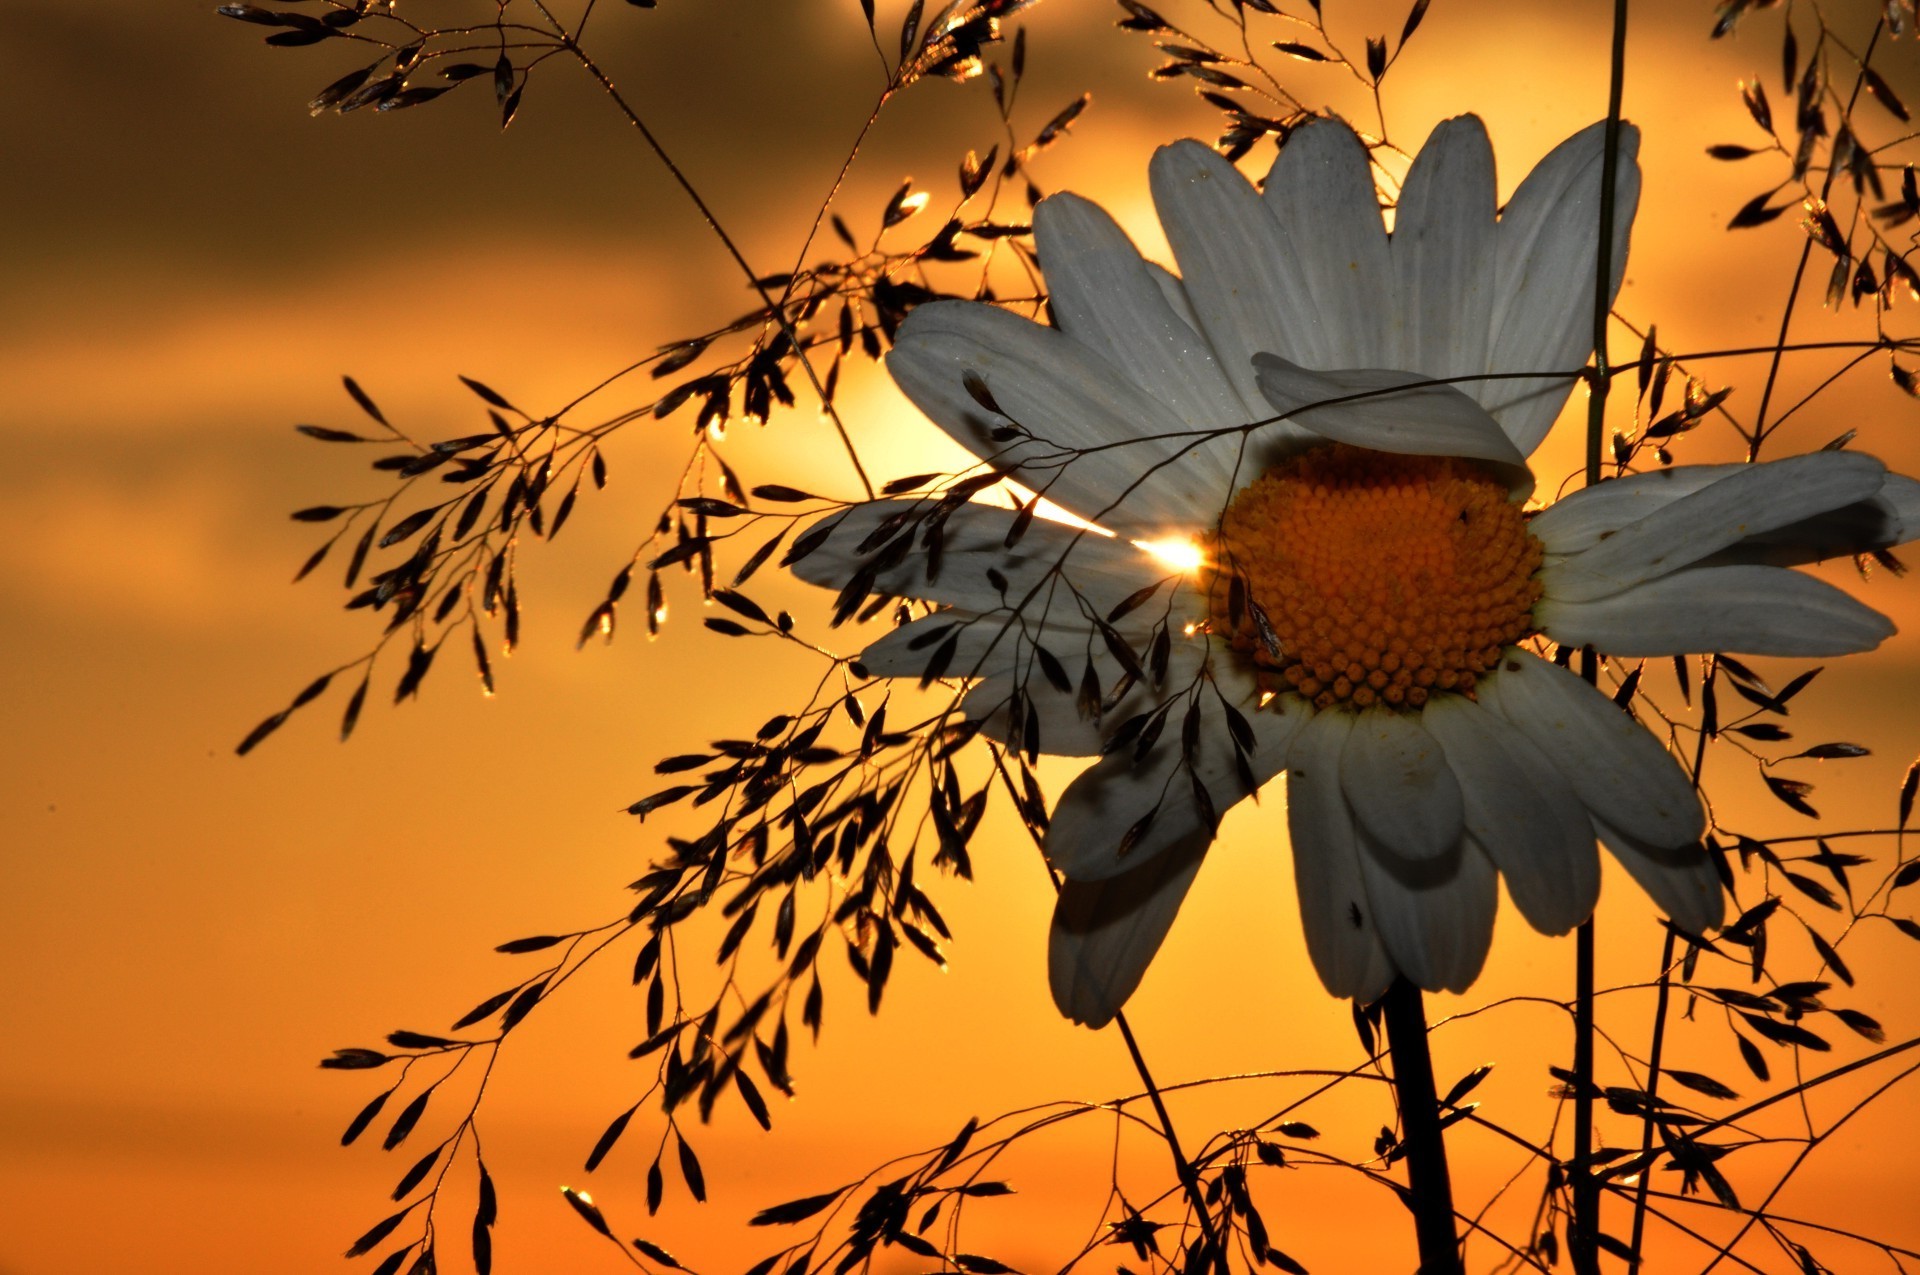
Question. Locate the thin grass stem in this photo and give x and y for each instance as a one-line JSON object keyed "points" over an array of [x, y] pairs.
{"points": [[1584, 1229]]}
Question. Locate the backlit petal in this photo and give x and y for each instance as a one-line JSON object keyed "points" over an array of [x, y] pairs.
{"points": [[1105, 297], [1236, 265], [1102, 447], [1321, 192], [1443, 255], [1384, 411], [1120, 810], [1757, 499], [1523, 813], [983, 645], [1052, 717], [1175, 294], [1436, 930], [1583, 518], [1681, 879], [1105, 933], [1547, 245], [1619, 769], [1004, 639], [1399, 785], [973, 543], [1891, 516], [1742, 610], [1342, 935]]}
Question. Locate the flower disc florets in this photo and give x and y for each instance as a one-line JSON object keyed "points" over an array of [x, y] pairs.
{"points": [[1366, 577]]}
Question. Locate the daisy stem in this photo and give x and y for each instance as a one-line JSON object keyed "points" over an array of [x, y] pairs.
{"points": [[1430, 1193]]}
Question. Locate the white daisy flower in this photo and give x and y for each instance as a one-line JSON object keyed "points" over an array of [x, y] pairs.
{"points": [[1366, 579]]}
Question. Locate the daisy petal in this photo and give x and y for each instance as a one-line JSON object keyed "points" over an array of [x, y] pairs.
{"points": [[1891, 517], [1682, 880], [1121, 811], [1052, 718], [1581, 519], [1619, 769], [1103, 448], [1105, 298], [1342, 936], [1005, 639], [1433, 894], [1758, 499], [973, 539], [982, 644], [1050, 587], [1106, 933], [1400, 787], [1743, 610], [1522, 812], [1175, 294], [1401, 412], [1322, 195], [1443, 252], [1584, 518], [1436, 931], [1236, 265], [1547, 242]]}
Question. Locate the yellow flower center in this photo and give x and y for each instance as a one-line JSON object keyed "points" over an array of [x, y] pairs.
{"points": [[1361, 576]]}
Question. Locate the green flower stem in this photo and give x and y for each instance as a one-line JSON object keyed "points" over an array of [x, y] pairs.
{"points": [[1430, 1193]]}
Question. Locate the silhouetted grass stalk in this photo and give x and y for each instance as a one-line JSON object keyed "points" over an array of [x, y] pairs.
{"points": [[1182, 1167], [1584, 1230], [1779, 350], [1653, 1093]]}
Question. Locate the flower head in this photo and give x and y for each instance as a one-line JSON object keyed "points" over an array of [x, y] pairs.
{"points": [[1339, 418]]}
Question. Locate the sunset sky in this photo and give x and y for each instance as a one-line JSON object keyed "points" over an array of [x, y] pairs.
{"points": [[193, 262]]}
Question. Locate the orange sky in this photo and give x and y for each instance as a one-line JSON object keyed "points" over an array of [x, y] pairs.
{"points": [[193, 262]]}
